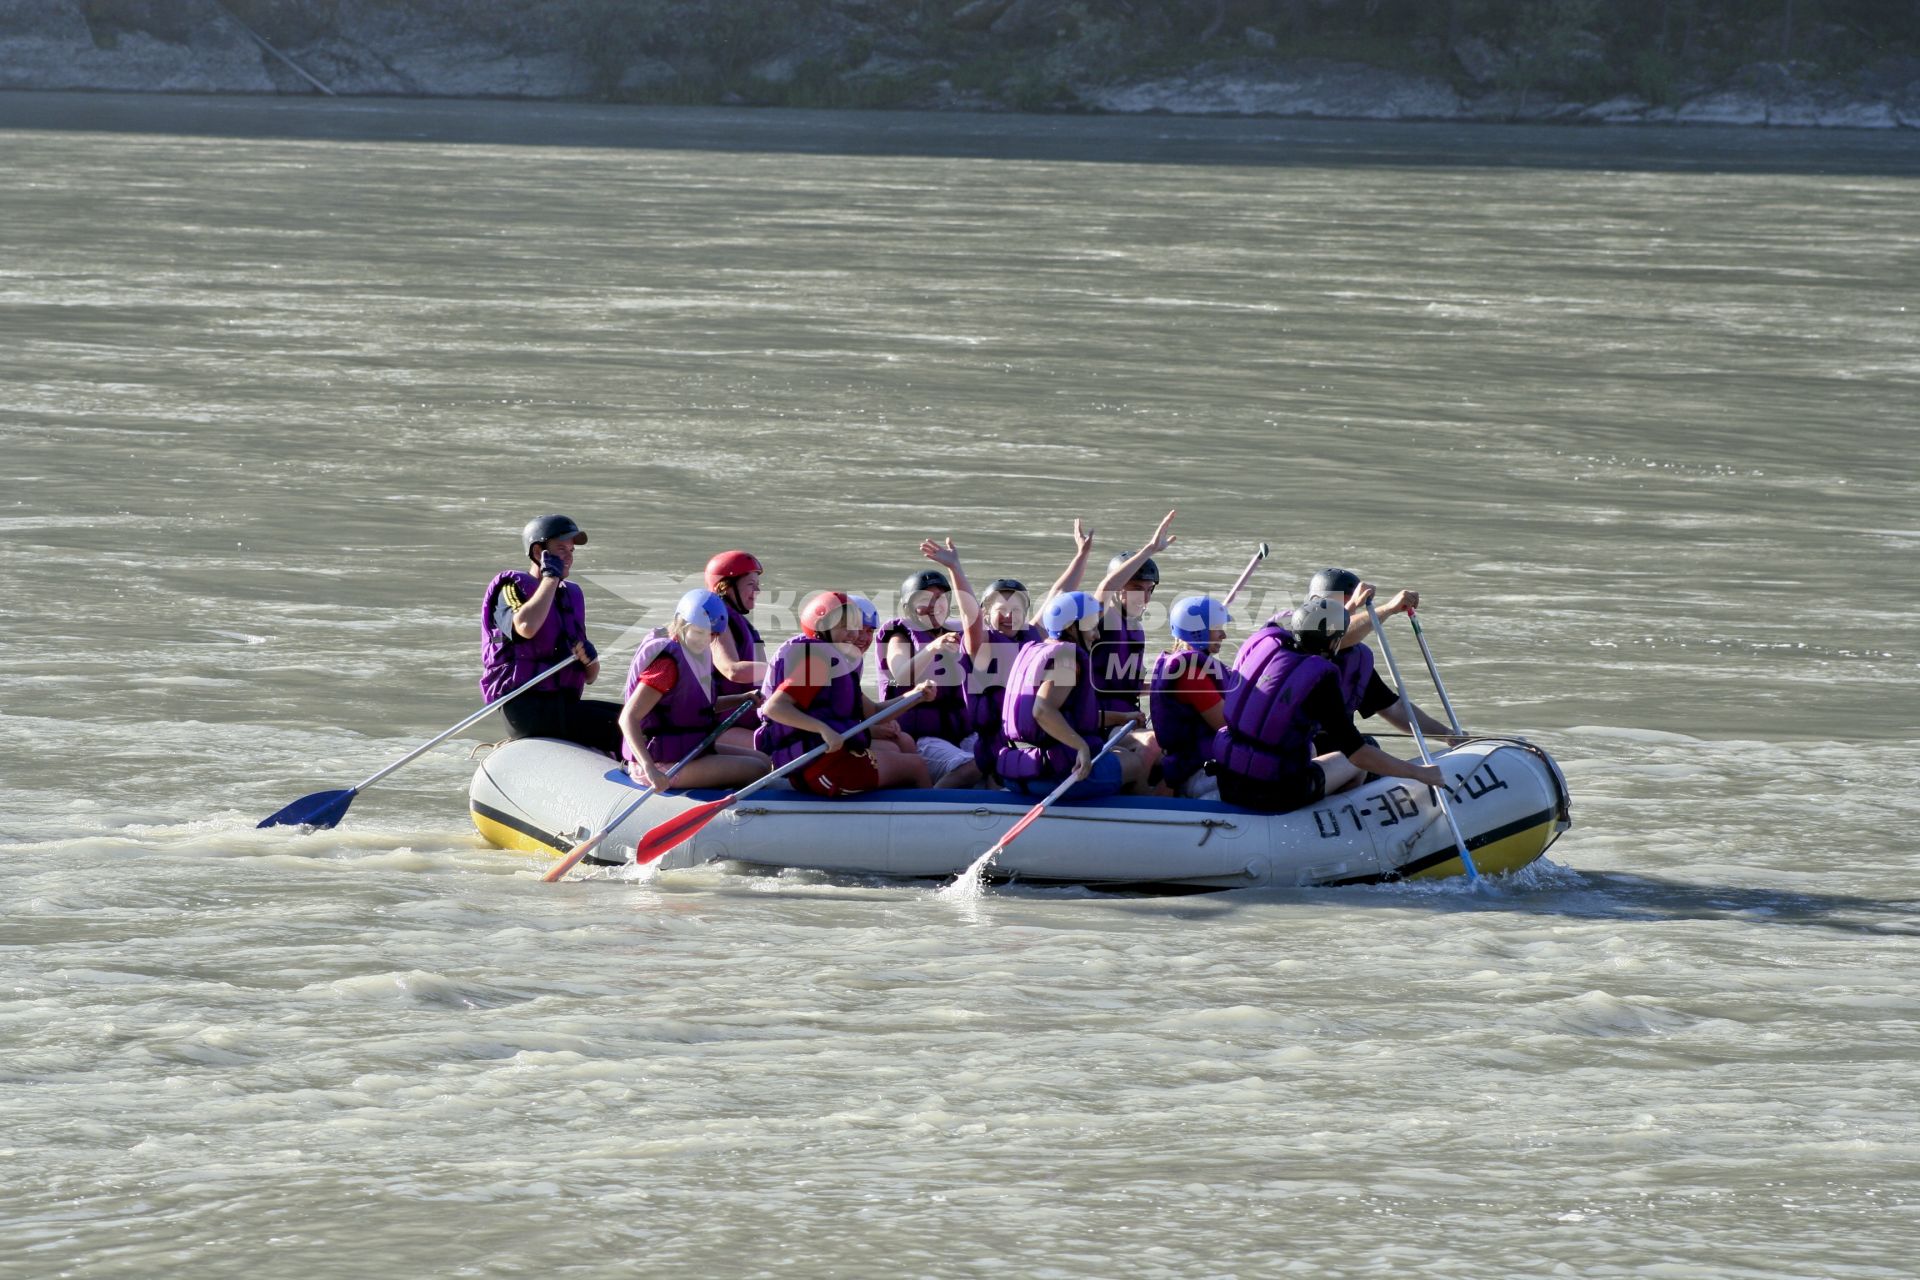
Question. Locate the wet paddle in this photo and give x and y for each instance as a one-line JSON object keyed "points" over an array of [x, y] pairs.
{"points": [[587, 846], [1033, 814], [1434, 671], [1252, 564], [1426, 756], [682, 827], [324, 809]]}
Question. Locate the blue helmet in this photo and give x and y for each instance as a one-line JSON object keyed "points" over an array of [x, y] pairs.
{"points": [[1195, 617], [869, 612], [703, 609], [1068, 609]]}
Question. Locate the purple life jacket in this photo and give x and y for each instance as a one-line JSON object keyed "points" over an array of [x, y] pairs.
{"points": [[1119, 664], [1028, 750], [986, 689], [746, 645], [508, 660], [1268, 735], [945, 715], [838, 705], [1185, 737], [682, 718], [1356, 669]]}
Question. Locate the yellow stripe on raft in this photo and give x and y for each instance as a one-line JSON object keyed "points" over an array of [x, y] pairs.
{"points": [[1509, 853], [502, 836]]}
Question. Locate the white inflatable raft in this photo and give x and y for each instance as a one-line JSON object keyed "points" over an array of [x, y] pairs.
{"points": [[543, 796]]}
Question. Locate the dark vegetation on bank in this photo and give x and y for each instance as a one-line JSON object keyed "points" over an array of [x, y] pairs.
{"points": [[1045, 54]]}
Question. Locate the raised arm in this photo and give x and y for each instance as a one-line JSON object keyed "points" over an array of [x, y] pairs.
{"points": [[973, 625], [1122, 573], [1069, 579]]}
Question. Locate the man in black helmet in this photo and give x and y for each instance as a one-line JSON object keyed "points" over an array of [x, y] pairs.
{"points": [[1366, 694], [531, 620]]}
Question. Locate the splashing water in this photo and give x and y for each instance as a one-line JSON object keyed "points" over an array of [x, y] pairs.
{"points": [[970, 885]]}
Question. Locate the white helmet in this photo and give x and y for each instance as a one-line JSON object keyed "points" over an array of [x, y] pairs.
{"points": [[1318, 625]]}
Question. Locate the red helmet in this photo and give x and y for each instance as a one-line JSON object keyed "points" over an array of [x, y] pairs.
{"points": [[730, 564], [824, 612]]}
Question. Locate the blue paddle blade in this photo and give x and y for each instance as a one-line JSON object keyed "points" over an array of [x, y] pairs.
{"points": [[322, 809]]}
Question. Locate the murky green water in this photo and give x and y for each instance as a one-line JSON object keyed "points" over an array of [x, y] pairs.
{"points": [[279, 383]]}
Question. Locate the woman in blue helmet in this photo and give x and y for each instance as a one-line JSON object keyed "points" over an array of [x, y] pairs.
{"points": [[673, 702], [1051, 720], [1187, 694]]}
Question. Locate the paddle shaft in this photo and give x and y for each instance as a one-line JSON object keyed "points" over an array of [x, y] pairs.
{"points": [[1445, 702], [697, 818], [475, 718], [887, 712], [1033, 814], [1426, 756], [1252, 564], [592, 842]]}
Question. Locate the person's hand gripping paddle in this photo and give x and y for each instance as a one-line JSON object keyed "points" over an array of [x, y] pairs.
{"points": [[1426, 756]]}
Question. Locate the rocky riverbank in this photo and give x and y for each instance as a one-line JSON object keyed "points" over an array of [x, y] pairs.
{"points": [[1037, 55]]}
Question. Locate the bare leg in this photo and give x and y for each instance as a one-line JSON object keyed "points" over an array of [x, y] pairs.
{"points": [[901, 769], [1144, 741], [1341, 772], [1135, 764], [742, 738], [965, 775], [725, 770]]}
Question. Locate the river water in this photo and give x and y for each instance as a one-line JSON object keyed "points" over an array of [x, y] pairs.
{"points": [[280, 381]]}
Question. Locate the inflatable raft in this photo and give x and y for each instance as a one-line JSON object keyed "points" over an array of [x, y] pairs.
{"points": [[543, 796]]}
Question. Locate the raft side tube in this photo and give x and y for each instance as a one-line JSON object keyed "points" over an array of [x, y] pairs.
{"points": [[542, 796]]}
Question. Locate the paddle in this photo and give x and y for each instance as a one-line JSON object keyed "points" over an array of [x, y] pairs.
{"points": [[588, 845], [1434, 671], [682, 827], [1033, 814], [324, 809], [1252, 564], [1426, 756]]}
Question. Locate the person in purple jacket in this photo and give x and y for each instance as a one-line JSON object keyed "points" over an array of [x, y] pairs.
{"points": [[1051, 722], [673, 703], [924, 644], [1188, 695], [1366, 694], [1007, 611], [1285, 695], [531, 619]]}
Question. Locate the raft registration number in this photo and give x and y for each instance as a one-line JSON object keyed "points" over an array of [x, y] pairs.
{"points": [[1396, 804]]}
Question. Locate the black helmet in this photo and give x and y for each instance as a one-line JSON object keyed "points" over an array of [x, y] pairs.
{"points": [[1333, 582], [1318, 625], [1147, 572], [925, 580], [1007, 587], [545, 528]]}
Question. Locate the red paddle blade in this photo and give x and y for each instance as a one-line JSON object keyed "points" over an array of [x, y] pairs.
{"points": [[677, 830]]}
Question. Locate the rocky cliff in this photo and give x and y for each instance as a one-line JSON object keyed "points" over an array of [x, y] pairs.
{"points": [[1451, 59]]}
